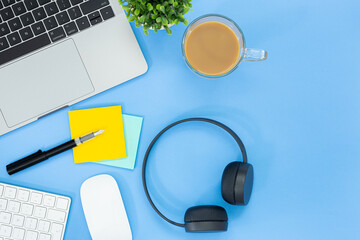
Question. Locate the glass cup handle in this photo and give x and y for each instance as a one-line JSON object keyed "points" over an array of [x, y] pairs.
{"points": [[255, 54]]}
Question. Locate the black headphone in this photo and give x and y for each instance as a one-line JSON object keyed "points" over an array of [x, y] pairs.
{"points": [[236, 187]]}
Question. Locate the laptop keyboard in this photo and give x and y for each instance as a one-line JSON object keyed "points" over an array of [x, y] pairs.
{"points": [[28, 25]]}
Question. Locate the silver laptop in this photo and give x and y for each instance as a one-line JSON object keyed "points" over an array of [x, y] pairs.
{"points": [[56, 53]]}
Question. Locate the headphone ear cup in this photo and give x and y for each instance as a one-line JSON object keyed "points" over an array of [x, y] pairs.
{"points": [[206, 218], [237, 183], [228, 182]]}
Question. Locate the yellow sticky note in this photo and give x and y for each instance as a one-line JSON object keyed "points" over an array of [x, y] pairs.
{"points": [[109, 145]]}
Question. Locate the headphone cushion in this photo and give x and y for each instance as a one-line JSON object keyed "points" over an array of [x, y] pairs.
{"points": [[237, 183], [205, 218], [228, 182], [205, 213]]}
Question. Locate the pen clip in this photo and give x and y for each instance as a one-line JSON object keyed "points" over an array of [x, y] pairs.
{"points": [[32, 155]]}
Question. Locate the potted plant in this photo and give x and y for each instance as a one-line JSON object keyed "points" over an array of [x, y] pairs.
{"points": [[156, 14]]}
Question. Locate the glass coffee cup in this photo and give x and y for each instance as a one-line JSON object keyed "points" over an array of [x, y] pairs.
{"points": [[213, 46]]}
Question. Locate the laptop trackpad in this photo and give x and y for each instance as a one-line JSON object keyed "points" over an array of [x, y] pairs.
{"points": [[42, 82]]}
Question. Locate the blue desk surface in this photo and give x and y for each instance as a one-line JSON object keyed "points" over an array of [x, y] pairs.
{"points": [[298, 114]]}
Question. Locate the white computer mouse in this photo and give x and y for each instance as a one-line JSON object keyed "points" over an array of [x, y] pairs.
{"points": [[104, 209]]}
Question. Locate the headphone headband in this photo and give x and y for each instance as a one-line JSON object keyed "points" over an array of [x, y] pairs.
{"points": [[227, 129]]}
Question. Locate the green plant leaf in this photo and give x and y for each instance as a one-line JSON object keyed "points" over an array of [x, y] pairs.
{"points": [[168, 30], [164, 21], [136, 12], [142, 18], [158, 20], [150, 7], [131, 19]]}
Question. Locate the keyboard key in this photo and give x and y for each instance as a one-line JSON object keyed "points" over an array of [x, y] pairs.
{"points": [[17, 220], [43, 226], [38, 28], [49, 201], [107, 13], [4, 29], [44, 236], [63, 4], [5, 217], [3, 45], [92, 5], [56, 231], [3, 202], [27, 19], [74, 13], [70, 29], [62, 18], [31, 4], [27, 209], [15, 24], [24, 48], [57, 34], [36, 197], [5, 230], [19, 8], [55, 215], [1, 189], [62, 203], [13, 206], [94, 18], [14, 38], [42, 2], [83, 23], [6, 14], [10, 192], [8, 2], [30, 235], [18, 233], [39, 14], [26, 33], [50, 23], [30, 223], [23, 195], [75, 2], [39, 212], [51, 9]]}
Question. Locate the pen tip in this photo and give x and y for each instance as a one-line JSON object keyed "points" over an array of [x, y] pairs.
{"points": [[99, 132]]}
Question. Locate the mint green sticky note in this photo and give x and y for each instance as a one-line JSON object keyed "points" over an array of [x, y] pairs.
{"points": [[132, 130]]}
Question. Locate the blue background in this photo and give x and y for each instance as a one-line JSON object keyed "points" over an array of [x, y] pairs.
{"points": [[298, 114]]}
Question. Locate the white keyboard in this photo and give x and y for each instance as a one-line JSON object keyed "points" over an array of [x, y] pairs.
{"points": [[32, 215]]}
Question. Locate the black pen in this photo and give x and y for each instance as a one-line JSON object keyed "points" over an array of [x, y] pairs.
{"points": [[40, 156]]}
